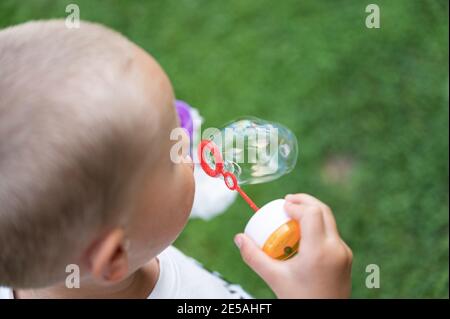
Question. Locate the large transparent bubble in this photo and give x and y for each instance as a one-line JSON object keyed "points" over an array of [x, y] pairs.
{"points": [[256, 151]]}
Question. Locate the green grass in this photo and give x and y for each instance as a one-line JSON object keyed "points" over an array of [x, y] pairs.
{"points": [[375, 100]]}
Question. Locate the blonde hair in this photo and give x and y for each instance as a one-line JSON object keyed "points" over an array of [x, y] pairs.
{"points": [[69, 144]]}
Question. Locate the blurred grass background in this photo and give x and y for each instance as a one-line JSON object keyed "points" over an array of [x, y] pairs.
{"points": [[369, 107]]}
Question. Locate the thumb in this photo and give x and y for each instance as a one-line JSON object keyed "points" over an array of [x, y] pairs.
{"points": [[266, 267]]}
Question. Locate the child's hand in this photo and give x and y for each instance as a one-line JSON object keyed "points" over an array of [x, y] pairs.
{"points": [[322, 267]]}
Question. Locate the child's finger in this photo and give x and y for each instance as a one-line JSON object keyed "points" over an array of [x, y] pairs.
{"points": [[330, 222], [265, 266], [310, 219], [348, 250]]}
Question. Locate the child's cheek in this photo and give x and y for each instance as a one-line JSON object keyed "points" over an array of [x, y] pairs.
{"points": [[189, 191]]}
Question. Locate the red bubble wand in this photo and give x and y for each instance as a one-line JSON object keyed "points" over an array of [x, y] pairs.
{"points": [[228, 177]]}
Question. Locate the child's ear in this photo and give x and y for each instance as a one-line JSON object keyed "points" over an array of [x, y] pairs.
{"points": [[108, 258]]}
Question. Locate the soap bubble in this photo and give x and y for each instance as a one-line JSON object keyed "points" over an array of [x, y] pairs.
{"points": [[254, 150]]}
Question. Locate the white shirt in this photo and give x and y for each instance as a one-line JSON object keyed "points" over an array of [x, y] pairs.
{"points": [[181, 277]]}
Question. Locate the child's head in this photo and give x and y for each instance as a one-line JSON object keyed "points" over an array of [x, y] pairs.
{"points": [[85, 170]]}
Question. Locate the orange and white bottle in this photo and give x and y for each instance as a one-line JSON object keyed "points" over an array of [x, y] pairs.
{"points": [[274, 231]]}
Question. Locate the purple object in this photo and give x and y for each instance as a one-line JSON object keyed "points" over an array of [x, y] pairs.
{"points": [[184, 114]]}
